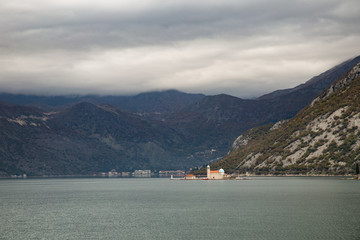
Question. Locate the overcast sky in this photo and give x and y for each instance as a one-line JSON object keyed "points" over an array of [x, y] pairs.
{"points": [[240, 47]]}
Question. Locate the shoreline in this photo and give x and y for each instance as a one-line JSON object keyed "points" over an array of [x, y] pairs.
{"points": [[240, 177]]}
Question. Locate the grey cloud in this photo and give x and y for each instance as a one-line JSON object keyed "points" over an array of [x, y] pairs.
{"points": [[87, 28], [240, 47]]}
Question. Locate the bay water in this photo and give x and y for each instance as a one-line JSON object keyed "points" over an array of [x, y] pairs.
{"points": [[156, 208]]}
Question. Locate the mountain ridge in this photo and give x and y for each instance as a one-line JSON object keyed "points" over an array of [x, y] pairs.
{"points": [[148, 102], [331, 74], [323, 138]]}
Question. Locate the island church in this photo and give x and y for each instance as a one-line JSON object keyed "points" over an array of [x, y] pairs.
{"points": [[215, 175]]}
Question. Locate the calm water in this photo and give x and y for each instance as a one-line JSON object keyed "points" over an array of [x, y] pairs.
{"points": [[262, 208]]}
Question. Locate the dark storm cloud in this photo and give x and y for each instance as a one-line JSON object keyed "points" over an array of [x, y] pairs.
{"points": [[243, 48]]}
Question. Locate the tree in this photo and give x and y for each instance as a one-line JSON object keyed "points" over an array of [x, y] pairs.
{"points": [[357, 169]]}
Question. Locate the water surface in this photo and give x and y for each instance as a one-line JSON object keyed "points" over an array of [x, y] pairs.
{"points": [[120, 208]]}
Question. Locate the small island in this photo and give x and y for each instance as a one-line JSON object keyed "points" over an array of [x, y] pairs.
{"points": [[211, 175]]}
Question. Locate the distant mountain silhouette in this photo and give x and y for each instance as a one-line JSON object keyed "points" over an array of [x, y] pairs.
{"points": [[149, 103]]}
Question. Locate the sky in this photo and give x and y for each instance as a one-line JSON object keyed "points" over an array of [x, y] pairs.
{"points": [[244, 48]]}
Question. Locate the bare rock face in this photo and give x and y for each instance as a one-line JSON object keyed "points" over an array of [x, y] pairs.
{"points": [[241, 141], [343, 81], [353, 74]]}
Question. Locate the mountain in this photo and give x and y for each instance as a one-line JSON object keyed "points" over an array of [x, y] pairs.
{"points": [[68, 135], [139, 142], [153, 104], [85, 139], [214, 122], [323, 138], [29, 145]]}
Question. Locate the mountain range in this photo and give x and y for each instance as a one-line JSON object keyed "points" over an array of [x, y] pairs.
{"points": [[70, 135]]}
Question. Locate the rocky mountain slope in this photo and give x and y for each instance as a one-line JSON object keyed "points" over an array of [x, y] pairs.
{"points": [[323, 138]]}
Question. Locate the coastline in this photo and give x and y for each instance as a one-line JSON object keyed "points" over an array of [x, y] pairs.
{"points": [[240, 177]]}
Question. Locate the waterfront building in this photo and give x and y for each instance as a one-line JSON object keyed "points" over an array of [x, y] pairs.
{"points": [[190, 177], [216, 174], [142, 173]]}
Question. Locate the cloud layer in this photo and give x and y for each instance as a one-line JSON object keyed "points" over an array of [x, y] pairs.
{"points": [[244, 48]]}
